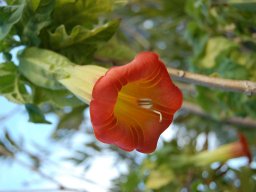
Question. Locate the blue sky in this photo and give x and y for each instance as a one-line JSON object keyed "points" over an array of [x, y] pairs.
{"points": [[14, 177]]}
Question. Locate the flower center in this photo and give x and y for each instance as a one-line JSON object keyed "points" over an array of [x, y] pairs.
{"points": [[134, 106]]}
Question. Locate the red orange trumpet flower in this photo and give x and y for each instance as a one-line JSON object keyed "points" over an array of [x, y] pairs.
{"points": [[130, 105]]}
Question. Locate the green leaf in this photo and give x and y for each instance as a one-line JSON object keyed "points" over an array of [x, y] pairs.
{"points": [[247, 180], [69, 122], [43, 67], [34, 4], [241, 1], [160, 177], [81, 43], [35, 114], [244, 5], [214, 47], [72, 120], [228, 68], [131, 181], [10, 15], [58, 98], [35, 18], [12, 86], [115, 52], [83, 12]]}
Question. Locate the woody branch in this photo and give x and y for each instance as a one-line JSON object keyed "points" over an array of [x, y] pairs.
{"points": [[242, 86]]}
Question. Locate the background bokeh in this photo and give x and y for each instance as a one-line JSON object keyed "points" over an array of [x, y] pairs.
{"points": [[46, 139]]}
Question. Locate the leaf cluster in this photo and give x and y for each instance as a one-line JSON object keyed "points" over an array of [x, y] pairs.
{"points": [[72, 30]]}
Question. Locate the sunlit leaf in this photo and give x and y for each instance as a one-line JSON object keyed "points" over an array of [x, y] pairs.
{"points": [[43, 67], [159, 178], [214, 47], [34, 4]]}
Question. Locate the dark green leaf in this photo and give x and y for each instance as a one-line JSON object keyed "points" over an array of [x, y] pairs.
{"points": [[94, 146], [12, 86], [35, 18], [115, 52], [131, 181], [244, 5], [83, 12], [35, 114], [58, 98], [72, 120], [10, 15], [81, 43]]}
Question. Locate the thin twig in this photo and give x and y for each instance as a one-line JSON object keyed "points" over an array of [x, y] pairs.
{"points": [[39, 172], [60, 186], [41, 190], [244, 122], [46, 159], [242, 86], [4, 152]]}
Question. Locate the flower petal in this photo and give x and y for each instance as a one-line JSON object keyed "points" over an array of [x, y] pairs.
{"points": [[243, 149], [133, 104]]}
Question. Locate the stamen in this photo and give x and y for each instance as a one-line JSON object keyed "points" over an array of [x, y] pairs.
{"points": [[146, 103], [159, 113]]}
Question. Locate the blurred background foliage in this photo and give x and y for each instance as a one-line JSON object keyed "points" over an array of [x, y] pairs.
{"points": [[214, 38]]}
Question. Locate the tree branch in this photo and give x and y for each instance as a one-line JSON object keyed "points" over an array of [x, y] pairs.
{"points": [[244, 122], [242, 86]]}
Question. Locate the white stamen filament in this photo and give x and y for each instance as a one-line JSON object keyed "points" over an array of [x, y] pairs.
{"points": [[159, 113], [146, 103]]}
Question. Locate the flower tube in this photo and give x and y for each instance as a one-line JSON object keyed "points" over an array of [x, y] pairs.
{"points": [[130, 105], [223, 153]]}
